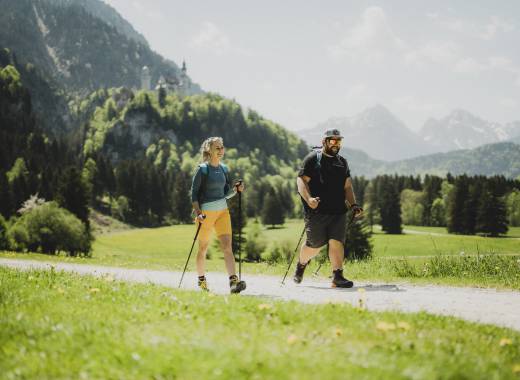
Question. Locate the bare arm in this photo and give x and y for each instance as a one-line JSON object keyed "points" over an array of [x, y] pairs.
{"points": [[303, 188]]}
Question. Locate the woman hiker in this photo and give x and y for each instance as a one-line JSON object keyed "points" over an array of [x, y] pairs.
{"points": [[210, 190]]}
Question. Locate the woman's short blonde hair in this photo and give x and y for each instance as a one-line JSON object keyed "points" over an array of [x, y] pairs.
{"points": [[205, 148]]}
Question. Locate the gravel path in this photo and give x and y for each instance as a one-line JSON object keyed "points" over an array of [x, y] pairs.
{"points": [[479, 305]]}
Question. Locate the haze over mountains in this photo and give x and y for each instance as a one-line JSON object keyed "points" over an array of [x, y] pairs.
{"points": [[380, 134]]}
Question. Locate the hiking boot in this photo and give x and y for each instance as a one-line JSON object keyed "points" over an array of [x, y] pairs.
{"points": [[236, 285], [203, 284], [298, 274], [338, 281]]}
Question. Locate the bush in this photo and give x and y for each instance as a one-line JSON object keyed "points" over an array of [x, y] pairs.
{"points": [[255, 243], [3, 234], [279, 252], [50, 229]]}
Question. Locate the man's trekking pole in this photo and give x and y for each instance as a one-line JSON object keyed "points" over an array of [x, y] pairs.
{"points": [[293, 256], [191, 250], [239, 229]]}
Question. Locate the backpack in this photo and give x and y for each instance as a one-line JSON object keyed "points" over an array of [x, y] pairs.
{"points": [[319, 154], [204, 179]]}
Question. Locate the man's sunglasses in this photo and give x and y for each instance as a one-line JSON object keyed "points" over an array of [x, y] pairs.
{"points": [[334, 141]]}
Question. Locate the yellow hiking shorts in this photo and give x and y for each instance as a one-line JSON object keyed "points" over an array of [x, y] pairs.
{"points": [[219, 220]]}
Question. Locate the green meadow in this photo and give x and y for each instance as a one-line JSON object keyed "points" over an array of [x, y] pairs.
{"points": [[416, 257], [60, 326]]}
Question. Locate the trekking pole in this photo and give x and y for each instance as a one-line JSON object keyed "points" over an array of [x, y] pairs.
{"points": [[191, 250], [348, 226], [239, 230], [294, 254]]}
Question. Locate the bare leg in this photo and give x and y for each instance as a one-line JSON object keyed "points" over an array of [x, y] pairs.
{"points": [[229, 259], [307, 253], [201, 257], [336, 254]]}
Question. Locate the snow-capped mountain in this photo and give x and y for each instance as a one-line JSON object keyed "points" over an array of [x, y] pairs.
{"points": [[375, 131], [462, 130]]}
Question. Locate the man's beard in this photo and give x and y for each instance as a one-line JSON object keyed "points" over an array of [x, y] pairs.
{"points": [[331, 151]]}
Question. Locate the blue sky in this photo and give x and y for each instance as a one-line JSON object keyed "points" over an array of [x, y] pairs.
{"points": [[299, 63]]}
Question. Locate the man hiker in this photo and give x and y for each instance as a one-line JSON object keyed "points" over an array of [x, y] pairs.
{"points": [[325, 187]]}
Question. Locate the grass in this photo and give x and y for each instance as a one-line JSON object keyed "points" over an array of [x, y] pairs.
{"points": [[167, 249], [61, 326]]}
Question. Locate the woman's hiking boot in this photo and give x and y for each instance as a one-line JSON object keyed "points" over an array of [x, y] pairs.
{"points": [[203, 284], [338, 281], [236, 285], [298, 274]]}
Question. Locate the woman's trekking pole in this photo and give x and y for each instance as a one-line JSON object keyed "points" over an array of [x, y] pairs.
{"points": [[191, 250], [237, 185], [293, 256]]}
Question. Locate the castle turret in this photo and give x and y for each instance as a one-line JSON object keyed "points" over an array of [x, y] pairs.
{"points": [[146, 78]]}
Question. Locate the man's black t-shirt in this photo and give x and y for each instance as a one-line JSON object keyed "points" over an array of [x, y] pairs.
{"points": [[327, 182]]}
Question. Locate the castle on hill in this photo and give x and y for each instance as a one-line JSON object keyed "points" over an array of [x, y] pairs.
{"points": [[176, 84]]}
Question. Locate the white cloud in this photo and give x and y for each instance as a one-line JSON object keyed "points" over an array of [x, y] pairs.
{"points": [[370, 40], [211, 38], [433, 52], [411, 103], [508, 102], [495, 26], [469, 66]]}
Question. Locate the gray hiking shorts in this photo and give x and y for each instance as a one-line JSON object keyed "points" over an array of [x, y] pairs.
{"points": [[321, 228]]}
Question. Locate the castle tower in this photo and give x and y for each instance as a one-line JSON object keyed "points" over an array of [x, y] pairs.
{"points": [[146, 78], [185, 83]]}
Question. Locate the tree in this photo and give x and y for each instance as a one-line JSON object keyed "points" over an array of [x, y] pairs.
{"points": [[272, 210], [513, 208], [182, 198], [390, 208], [456, 204], [491, 216], [73, 194], [412, 207], [358, 244], [162, 96]]}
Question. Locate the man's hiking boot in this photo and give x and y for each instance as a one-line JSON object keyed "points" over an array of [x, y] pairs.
{"points": [[338, 281], [236, 285], [298, 274], [203, 284]]}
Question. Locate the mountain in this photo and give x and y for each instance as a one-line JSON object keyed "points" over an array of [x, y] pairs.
{"points": [[462, 130], [79, 46], [492, 159], [375, 131]]}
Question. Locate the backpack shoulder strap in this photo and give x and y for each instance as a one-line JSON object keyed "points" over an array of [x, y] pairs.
{"points": [[319, 154], [225, 169], [204, 171]]}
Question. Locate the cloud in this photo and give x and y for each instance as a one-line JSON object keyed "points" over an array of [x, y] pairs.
{"points": [[435, 52], [371, 40], [211, 38], [495, 26], [508, 103], [469, 66]]}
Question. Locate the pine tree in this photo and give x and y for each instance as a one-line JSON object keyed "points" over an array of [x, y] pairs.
{"points": [[73, 194], [456, 204], [491, 216], [390, 208], [358, 244], [182, 198], [162, 96], [272, 211]]}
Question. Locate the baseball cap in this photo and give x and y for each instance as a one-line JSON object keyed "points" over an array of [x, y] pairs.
{"points": [[332, 133]]}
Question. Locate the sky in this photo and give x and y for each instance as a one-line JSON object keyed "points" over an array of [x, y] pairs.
{"points": [[300, 63]]}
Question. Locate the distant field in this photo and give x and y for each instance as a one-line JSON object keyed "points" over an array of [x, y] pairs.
{"points": [[167, 249]]}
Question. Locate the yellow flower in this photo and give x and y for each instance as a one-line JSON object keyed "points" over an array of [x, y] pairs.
{"points": [[292, 339], [265, 306], [505, 342], [109, 278], [94, 290], [61, 291], [338, 332], [516, 368], [403, 325], [385, 326]]}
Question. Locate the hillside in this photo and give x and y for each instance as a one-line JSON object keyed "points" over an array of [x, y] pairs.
{"points": [[488, 160]]}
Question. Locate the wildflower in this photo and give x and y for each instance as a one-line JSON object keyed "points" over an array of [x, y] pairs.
{"points": [[516, 368], [403, 325], [338, 332], [265, 306], [136, 356], [94, 290], [292, 339], [385, 326], [505, 342]]}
